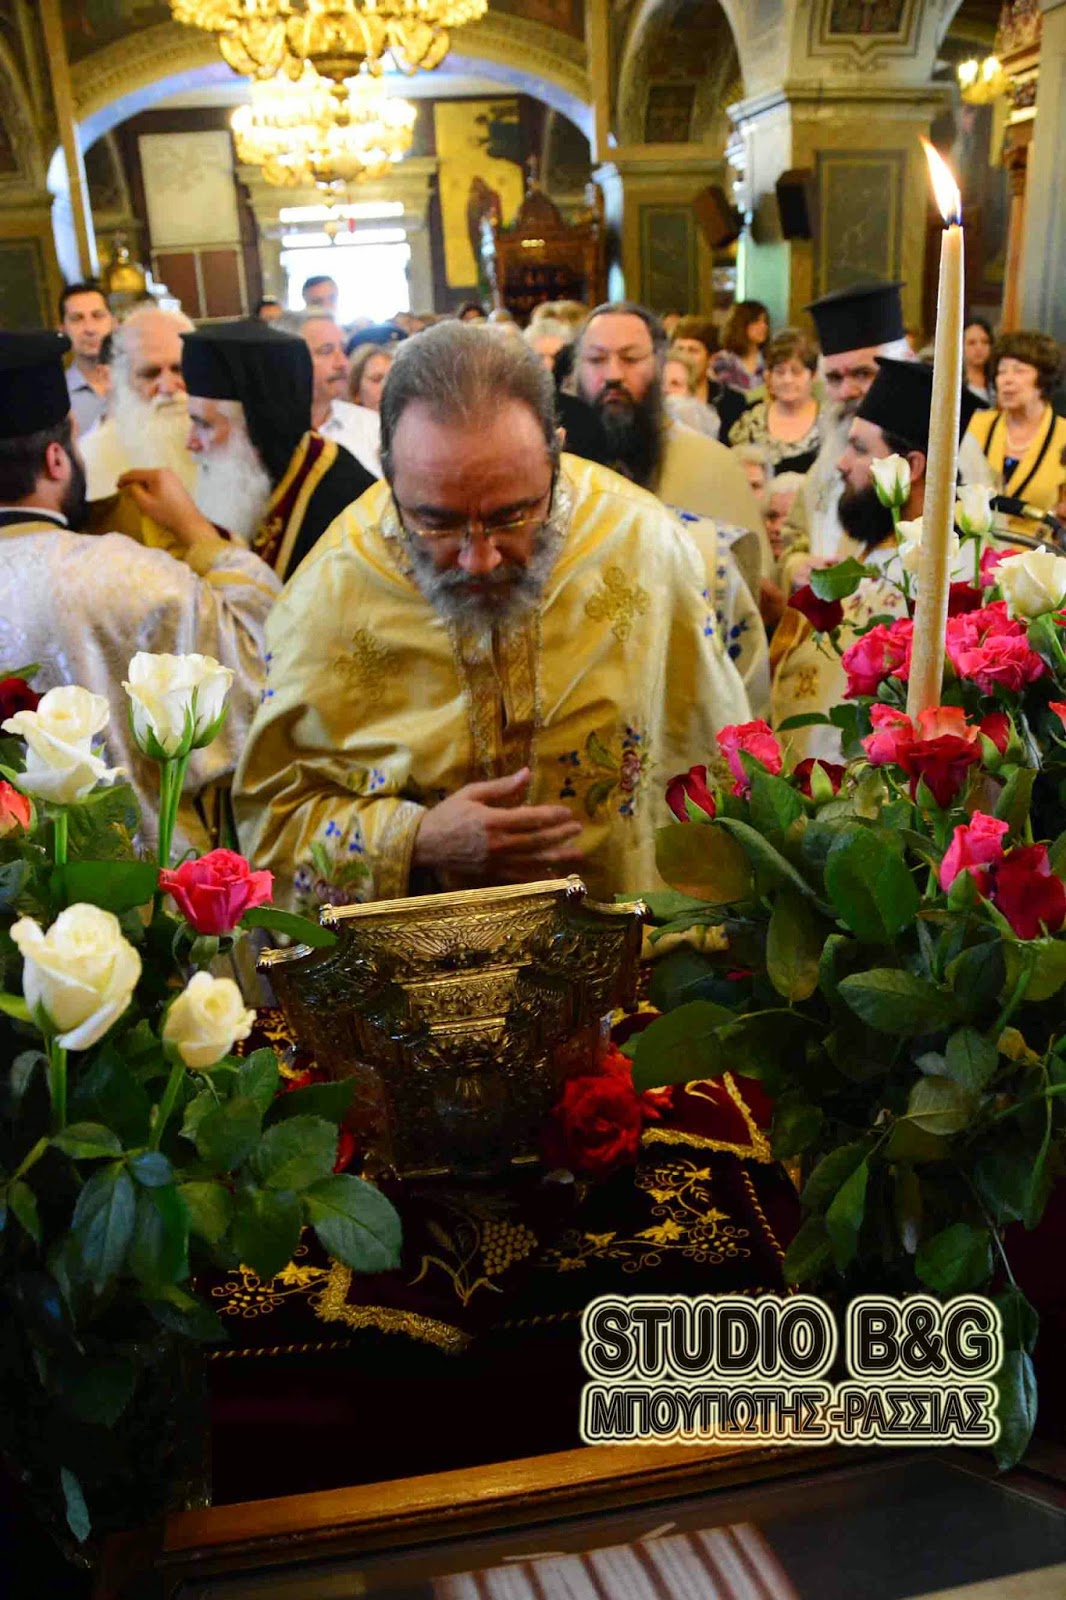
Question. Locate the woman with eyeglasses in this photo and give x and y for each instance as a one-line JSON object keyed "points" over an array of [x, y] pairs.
{"points": [[1023, 438]]}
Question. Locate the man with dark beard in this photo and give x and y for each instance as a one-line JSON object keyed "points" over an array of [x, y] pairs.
{"points": [[82, 607], [891, 419], [264, 476], [482, 670]]}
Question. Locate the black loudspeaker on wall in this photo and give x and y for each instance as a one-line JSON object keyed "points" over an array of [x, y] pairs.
{"points": [[719, 220], [795, 203]]}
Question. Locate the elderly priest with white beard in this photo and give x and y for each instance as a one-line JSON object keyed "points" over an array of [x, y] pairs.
{"points": [[83, 606], [263, 476], [489, 668]]}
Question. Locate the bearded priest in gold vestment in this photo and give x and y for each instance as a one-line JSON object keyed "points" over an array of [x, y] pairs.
{"points": [[490, 666]]}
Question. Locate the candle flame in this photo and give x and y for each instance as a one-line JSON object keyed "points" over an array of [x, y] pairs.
{"points": [[945, 188]]}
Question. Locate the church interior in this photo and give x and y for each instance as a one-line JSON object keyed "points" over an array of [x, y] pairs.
{"points": [[532, 799]]}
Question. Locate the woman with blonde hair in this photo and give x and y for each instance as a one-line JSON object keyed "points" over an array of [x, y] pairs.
{"points": [[366, 375], [787, 424]]}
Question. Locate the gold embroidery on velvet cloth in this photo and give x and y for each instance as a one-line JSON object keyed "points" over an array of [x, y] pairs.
{"points": [[691, 1226], [247, 1296], [332, 1306], [761, 1214], [617, 603], [703, 1089], [483, 1243]]}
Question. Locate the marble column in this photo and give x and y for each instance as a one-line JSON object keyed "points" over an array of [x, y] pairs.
{"points": [[1042, 278], [648, 192]]}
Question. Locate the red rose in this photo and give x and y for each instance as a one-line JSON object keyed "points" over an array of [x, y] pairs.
{"points": [[975, 844], [690, 785], [596, 1125], [16, 695], [15, 810], [1023, 887], [990, 560], [963, 597], [214, 892], [970, 630], [803, 769], [823, 615], [998, 727], [942, 752], [870, 660], [1059, 708], [1003, 662], [345, 1149], [890, 726], [755, 739]]}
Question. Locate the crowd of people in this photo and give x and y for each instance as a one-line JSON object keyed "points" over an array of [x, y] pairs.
{"points": [[483, 588]]}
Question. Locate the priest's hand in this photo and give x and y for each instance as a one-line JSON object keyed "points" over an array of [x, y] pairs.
{"points": [[483, 832], [160, 494]]}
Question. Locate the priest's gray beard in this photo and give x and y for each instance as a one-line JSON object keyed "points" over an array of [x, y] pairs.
{"points": [[233, 487], [494, 600], [153, 432]]}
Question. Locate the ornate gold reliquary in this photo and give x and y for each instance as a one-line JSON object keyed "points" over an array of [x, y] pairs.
{"points": [[459, 1016]]}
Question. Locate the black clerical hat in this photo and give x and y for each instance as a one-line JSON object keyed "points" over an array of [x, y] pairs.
{"points": [[267, 371], [33, 384], [857, 318], [900, 399]]}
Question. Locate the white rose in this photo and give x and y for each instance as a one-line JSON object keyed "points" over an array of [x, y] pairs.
{"points": [[206, 1020], [973, 509], [60, 765], [892, 480], [910, 545], [1032, 582], [82, 971], [176, 702]]}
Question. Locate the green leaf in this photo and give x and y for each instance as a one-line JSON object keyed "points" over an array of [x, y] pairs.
{"points": [[103, 1224], [23, 1203], [831, 1172], [956, 1260], [83, 1141], [667, 904], [682, 975], [195, 1112], [1002, 1175], [22, 1070], [355, 1223], [1014, 803], [302, 929], [809, 1252], [210, 1208], [843, 1219], [183, 1313], [266, 1229], [227, 1135], [763, 856], [939, 1106], [258, 1078], [977, 976], [13, 1005], [870, 886], [907, 1206], [682, 1045], [108, 1093], [839, 581], [1021, 1323], [795, 1128], [775, 805], [703, 863], [1015, 1407], [78, 1520], [793, 946], [296, 1153], [159, 1249], [101, 828], [151, 1169], [970, 1058], [805, 719], [115, 886], [97, 1391], [1048, 958], [330, 1101], [897, 1002]]}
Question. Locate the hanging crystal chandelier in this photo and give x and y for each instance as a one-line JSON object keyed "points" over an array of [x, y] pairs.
{"points": [[311, 132], [261, 38]]}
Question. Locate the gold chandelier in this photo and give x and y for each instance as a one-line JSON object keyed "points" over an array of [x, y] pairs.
{"points": [[261, 38], [311, 132], [981, 82]]}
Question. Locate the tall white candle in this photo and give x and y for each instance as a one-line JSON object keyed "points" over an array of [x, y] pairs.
{"points": [[941, 470]]}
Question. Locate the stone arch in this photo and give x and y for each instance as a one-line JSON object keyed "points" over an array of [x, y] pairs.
{"points": [[680, 64]]}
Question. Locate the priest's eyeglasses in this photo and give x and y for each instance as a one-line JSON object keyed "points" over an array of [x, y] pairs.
{"points": [[503, 533]]}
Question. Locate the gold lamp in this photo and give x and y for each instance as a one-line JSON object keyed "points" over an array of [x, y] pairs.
{"points": [[981, 82], [261, 38], [313, 132]]}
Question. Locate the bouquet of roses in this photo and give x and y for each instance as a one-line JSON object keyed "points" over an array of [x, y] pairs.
{"points": [[888, 958], [135, 1146]]}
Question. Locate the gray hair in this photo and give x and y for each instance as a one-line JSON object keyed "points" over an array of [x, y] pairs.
{"points": [[462, 374], [295, 322], [125, 335], [786, 483], [548, 328]]}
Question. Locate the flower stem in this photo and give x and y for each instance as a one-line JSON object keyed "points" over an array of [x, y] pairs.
{"points": [[1017, 994], [166, 1105], [57, 1084], [59, 838]]}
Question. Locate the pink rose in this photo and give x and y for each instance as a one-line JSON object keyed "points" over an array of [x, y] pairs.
{"points": [[690, 785], [975, 844], [890, 726], [870, 660], [1001, 662], [214, 892], [755, 739], [990, 560]]}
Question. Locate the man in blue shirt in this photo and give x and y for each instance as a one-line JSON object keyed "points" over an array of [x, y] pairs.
{"points": [[85, 318]]}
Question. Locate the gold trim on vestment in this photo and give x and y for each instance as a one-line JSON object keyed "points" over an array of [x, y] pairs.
{"points": [[299, 511]]}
